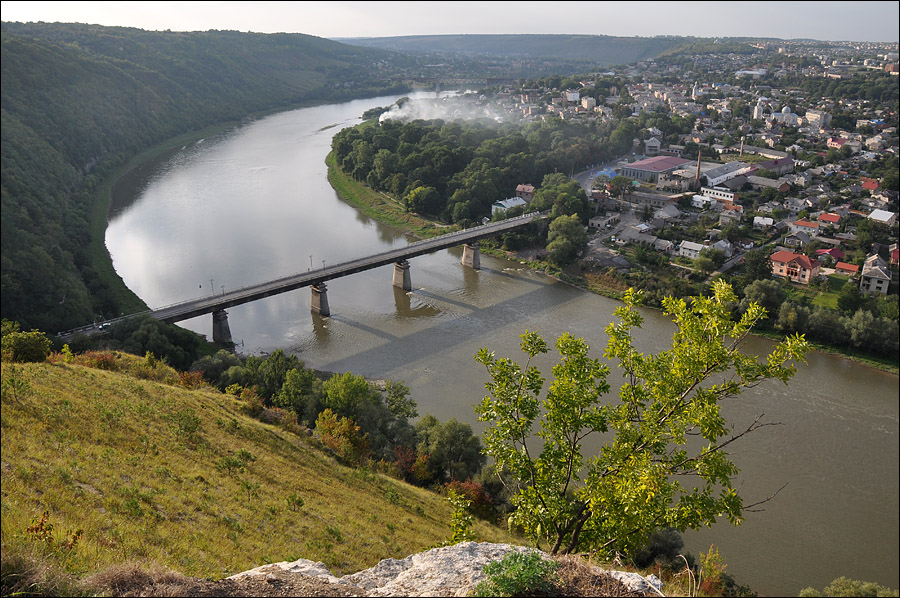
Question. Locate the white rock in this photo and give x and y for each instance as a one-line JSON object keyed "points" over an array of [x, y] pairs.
{"points": [[446, 571]]}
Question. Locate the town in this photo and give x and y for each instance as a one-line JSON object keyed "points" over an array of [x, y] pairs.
{"points": [[783, 156]]}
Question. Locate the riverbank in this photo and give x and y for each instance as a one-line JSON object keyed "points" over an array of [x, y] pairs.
{"points": [[386, 210]]}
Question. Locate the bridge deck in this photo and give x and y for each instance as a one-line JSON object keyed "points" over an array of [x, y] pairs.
{"points": [[206, 305]]}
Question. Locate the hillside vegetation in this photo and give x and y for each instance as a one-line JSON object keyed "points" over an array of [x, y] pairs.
{"points": [[597, 49], [78, 101], [101, 467]]}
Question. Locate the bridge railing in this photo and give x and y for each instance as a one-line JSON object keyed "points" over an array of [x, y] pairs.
{"points": [[356, 261], [468, 232]]}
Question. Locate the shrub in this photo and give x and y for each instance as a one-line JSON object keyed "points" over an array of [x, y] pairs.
{"points": [[843, 586], [481, 504], [460, 520], [25, 347], [343, 436], [662, 547], [519, 574], [253, 403]]}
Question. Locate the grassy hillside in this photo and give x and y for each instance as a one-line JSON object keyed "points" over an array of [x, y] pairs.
{"points": [[155, 472], [79, 101]]}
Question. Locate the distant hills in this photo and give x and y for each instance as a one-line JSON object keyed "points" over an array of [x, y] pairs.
{"points": [[600, 49], [78, 101]]}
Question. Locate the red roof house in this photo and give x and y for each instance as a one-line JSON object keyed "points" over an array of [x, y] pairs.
{"points": [[827, 218], [868, 184], [835, 253], [845, 268], [796, 267]]}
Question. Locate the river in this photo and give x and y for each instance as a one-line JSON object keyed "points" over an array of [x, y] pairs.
{"points": [[254, 203]]}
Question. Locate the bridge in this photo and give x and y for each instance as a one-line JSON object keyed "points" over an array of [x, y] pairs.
{"points": [[316, 279]]}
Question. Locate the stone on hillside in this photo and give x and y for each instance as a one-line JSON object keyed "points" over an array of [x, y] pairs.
{"points": [[446, 571]]}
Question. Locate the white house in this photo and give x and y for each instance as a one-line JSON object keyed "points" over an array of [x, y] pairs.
{"points": [[690, 250], [884, 217], [763, 222], [701, 202]]}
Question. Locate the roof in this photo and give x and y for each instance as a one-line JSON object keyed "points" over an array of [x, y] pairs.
{"points": [[881, 215], [869, 184], [806, 224], [875, 267], [786, 257], [833, 252], [690, 245], [831, 218], [846, 267], [525, 188], [505, 204], [658, 163]]}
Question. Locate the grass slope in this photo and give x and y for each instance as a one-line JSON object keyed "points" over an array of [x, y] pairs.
{"points": [[138, 466]]}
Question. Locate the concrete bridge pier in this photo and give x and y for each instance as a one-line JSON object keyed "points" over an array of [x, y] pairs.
{"points": [[401, 276], [318, 301], [221, 330], [471, 256]]}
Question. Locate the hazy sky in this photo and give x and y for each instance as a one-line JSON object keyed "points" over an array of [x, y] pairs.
{"points": [[856, 21]]}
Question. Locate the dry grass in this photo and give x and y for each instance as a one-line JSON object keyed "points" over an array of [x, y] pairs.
{"points": [[137, 465]]}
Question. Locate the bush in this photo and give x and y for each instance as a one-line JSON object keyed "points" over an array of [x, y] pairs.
{"points": [[25, 347], [343, 436], [662, 547], [519, 574], [843, 586]]}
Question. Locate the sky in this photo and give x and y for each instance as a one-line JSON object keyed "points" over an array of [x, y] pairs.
{"points": [[832, 21]]}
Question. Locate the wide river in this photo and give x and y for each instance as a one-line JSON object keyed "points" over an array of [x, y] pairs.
{"points": [[254, 204]]}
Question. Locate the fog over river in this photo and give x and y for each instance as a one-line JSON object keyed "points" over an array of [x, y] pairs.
{"points": [[254, 204]]}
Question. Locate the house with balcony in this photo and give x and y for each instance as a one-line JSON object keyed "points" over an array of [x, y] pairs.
{"points": [[796, 267]]}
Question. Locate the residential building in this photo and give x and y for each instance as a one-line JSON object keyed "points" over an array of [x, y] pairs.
{"points": [[884, 217], [720, 194], [690, 250], [796, 267], [762, 222], [526, 192], [829, 219], [804, 226], [817, 118], [876, 276], [505, 204], [846, 269]]}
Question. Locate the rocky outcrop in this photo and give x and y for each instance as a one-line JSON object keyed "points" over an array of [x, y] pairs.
{"points": [[447, 571]]}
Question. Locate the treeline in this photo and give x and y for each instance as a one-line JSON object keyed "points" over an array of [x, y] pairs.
{"points": [[456, 170], [78, 101]]}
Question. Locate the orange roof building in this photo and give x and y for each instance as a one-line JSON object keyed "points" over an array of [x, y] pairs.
{"points": [[796, 267]]}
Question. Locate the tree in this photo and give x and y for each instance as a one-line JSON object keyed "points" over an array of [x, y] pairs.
{"points": [[621, 186], [566, 240], [454, 452], [635, 485], [757, 265], [851, 298], [345, 393]]}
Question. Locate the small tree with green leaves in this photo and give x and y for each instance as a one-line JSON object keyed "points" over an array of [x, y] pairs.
{"points": [[461, 519], [613, 501]]}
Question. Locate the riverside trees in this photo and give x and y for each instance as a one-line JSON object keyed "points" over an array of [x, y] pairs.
{"points": [[636, 484]]}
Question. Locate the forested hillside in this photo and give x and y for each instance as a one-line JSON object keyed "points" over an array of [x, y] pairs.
{"points": [[598, 49], [78, 101]]}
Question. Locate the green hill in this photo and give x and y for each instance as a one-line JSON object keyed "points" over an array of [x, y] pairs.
{"points": [[79, 101], [153, 472], [598, 49]]}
